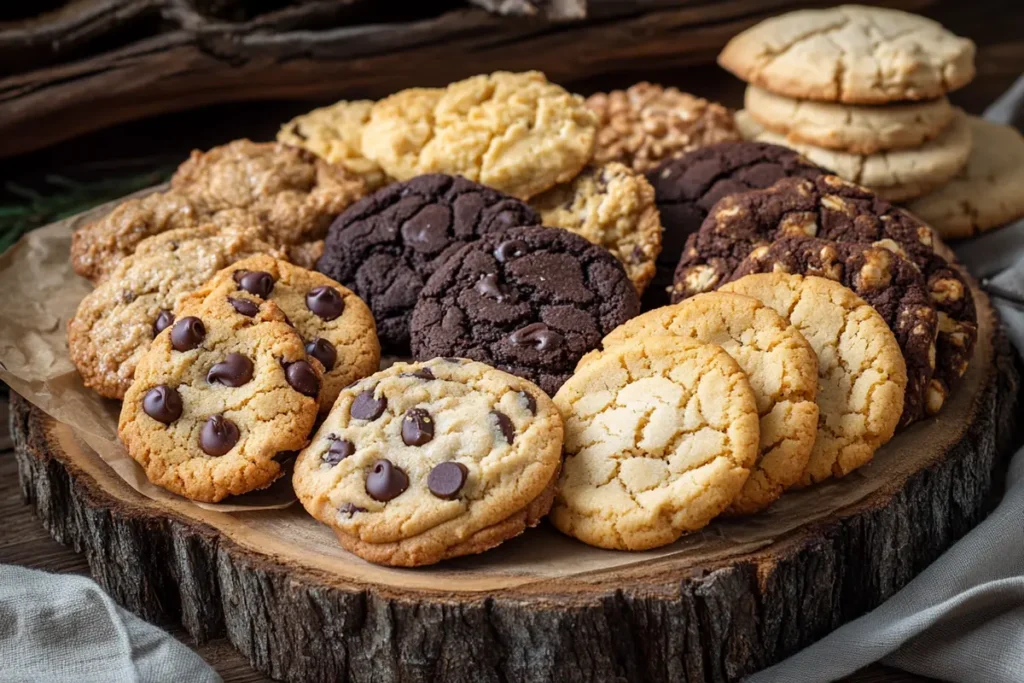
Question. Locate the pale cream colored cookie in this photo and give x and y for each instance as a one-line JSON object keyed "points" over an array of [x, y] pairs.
{"points": [[897, 174], [779, 363], [849, 127], [612, 206], [427, 461], [660, 436], [853, 54], [987, 193], [515, 132], [861, 372]]}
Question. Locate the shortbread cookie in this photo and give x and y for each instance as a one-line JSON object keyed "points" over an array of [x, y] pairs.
{"points": [[515, 132], [896, 174], [335, 325], [335, 133], [646, 124], [427, 461], [530, 301], [780, 365], [986, 193], [115, 323], [386, 246], [851, 54], [660, 436], [219, 399], [612, 206], [861, 373], [882, 277]]}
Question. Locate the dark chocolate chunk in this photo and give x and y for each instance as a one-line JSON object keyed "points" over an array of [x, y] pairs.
{"points": [[531, 402], [366, 407], [256, 282], [326, 302], [510, 249], [302, 378], [489, 286], [447, 479], [323, 351], [218, 435], [423, 373], [417, 427], [348, 509], [162, 403], [508, 430], [537, 335], [339, 450], [385, 481], [233, 371], [244, 306], [188, 333], [163, 321]]}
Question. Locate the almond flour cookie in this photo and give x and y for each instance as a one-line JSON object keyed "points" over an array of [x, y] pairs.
{"points": [[335, 133], [851, 54], [115, 323], [219, 398], [986, 193], [427, 461], [515, 132], [896, 174], [862, 377], [660, 436], [780, 365], [612, 206], [334, 323], [646, 124]]}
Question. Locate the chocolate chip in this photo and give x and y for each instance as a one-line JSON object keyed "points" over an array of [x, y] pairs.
{"points": [[424, 373], [244, 306], [457, 361], [162, 403], [323, 351], [531, 402], [417, 427], [255, 282], [325, 301], [447, 479], [509, 249], [339, 450], [508, 430], [218, 435], [489, 287], [538, 335], [366, 407], [283, 457], [385, 481], [302, 377], [233, 371], [163, 321], [348, 509], [188, 333]]}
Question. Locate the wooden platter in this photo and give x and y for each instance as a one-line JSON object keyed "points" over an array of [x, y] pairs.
{"points": [[713, 607]]}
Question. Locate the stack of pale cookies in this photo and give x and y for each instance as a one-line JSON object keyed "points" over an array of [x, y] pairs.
{"points": [[862, 91]]}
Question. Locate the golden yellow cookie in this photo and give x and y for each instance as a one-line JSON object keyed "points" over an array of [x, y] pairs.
{"points": [[613, 207], [660, 437], [861, 373], [779, 363]]}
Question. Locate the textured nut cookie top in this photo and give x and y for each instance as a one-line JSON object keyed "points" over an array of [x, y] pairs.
{"points": [[515, 132], [861, 373], [852, 54], [612, 206], [660, 436], [646, 124], [219, 398], [424, 457], [779, 363]]}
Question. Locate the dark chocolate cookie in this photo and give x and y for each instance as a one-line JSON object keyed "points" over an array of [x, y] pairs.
{"points": [[688, 186], [830, 208], [385, 246], [889, 282], [530, 301]]}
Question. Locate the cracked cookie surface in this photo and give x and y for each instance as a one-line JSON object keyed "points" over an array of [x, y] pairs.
{"points": [[852, 54], [862, 376], [660, 436], [780, 365], [386, 246], [530, 301], [515, 132], [219, 400], [611, 206], [427, 461]]}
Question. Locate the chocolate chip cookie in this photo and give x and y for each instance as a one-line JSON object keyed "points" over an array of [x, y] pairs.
{"points": [[530, 301], [386, 246], [334, 323], [427, 461], [219, 398]]}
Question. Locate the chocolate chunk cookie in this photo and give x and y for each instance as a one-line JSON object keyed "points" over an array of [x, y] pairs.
{"points": [[685, 189], [217, 396], [880, 276], [530, 301], [427, 461], [386, 246]]}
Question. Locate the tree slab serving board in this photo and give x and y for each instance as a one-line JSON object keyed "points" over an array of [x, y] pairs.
{"points": [[715, 606]]}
